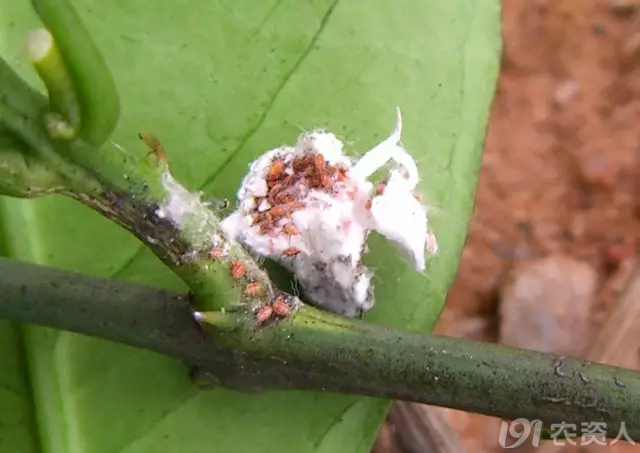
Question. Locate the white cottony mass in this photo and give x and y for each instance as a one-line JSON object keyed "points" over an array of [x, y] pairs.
{"points": [[311, 208]]}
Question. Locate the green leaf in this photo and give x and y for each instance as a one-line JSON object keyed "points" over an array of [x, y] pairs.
{"points": [[17, 424], [221, 82], [17, 430]]}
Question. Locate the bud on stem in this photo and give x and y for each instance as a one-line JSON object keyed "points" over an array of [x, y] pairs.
{"points": [[63, 121]]}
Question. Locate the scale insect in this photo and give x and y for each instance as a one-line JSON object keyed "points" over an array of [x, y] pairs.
{"points": [[336, 207], [252, 289], [238, 269]]}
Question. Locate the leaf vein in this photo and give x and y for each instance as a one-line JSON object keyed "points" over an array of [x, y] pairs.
{"points": [[276, 94], [256, 127]]}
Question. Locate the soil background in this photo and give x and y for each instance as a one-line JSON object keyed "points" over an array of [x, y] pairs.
{"points": [[559, 181]]}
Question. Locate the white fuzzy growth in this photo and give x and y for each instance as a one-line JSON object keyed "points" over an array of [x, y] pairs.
{"points": [[334, 223], [179, 202], [325, 142], [379, 155], [402, 219], [184, 209]]}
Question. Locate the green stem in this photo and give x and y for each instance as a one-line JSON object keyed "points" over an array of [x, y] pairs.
{"points": [[96, 90], [485, 378], [83, 100], [134, 192], [21, 174], [63, 100], [139, 194], [21, 110], [29, 131], [322, 352]]}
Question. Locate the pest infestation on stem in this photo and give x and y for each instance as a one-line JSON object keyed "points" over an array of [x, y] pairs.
{"points": [[311, 208], [280, 307]]}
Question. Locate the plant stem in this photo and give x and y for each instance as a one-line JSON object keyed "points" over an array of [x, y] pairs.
{"points": [[322, 352], [22, 175], [92, 81], [63, 100], [21, 112], [130, 191]]}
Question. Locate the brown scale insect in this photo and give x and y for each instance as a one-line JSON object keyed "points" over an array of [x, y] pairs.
{"points": [[300, 164], [295, 206], [314, 182], [252, 289], [319, 163], [216, 253], [280, 307], [291, 229], [287, 180], [264, 227], [259, 217], [325, 181], [276, 170], [263, 314], [275, 190], [277, 211], [309, 164], [381, 186], [238, 269], [283, 198], [261, 220], [291, 251], [156, 149], [339, 172]]}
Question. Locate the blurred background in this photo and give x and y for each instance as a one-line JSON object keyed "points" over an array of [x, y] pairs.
{"points": [[550, 260]]}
